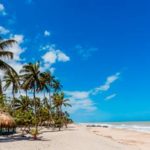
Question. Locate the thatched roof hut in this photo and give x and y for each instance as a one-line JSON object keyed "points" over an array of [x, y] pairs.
{"points": [[6, 121]]}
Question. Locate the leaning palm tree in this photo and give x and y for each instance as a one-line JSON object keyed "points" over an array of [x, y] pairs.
{"points": [[5, 54], [11, 79], [30, 72]]}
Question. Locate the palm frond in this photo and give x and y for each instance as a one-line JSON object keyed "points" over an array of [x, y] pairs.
{"points": [[6, 43]]}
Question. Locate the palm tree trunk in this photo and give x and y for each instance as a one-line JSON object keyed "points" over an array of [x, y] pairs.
{"points": [[50, 97], [26, 91], [50, 111], [44, 94], [13, 102], [34, 97]]}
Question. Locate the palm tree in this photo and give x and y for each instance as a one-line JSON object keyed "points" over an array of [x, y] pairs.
{"points": [[31, 74], [23, 85], [46, 81], [59, 101], [11, 79], [1, 88], [56, 85], [23, 103], [3, 53]]}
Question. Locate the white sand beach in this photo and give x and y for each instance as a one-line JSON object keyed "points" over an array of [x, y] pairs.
{"points": [[80, 137]]}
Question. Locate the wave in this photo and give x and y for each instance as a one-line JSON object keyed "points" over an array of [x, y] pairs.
{"points": [[134, 126]]}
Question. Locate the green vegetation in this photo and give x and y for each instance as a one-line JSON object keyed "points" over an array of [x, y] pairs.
{"points": [[23, 104]]}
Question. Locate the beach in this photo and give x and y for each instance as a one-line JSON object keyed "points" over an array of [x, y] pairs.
{"points": [[80, 137]]}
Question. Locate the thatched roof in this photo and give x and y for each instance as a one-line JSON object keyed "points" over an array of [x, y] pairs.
{"points": [[6, 120]]}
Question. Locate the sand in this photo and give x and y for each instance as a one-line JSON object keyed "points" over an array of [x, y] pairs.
{"points": [[80, 137]]}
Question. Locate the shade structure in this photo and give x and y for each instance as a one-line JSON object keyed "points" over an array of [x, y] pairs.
{"points": [[6, 121]]}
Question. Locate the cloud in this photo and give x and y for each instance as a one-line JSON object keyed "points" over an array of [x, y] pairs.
{"points": [[17, 51], [50, 57], [2, 9], [16, 48], [46, 47], [19, 38], [80, 100], [54, 55], [78, 94], [84, 104], [62, 56], [85, 52], [3, 30], [111, 96], [106, 86], [47, 33]]}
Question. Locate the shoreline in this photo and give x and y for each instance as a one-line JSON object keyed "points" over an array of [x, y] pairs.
{"points": [[80, 137], [143, 127]]}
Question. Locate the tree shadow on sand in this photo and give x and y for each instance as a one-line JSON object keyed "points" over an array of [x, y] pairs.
{"points": [[15, 138], [57, 130]]}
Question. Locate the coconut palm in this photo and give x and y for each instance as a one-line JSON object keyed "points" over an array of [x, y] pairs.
{"points": [[30, 72], [23, 103], [5, 54], [44, 86], [46, 80], [56, 85], [1, 88], [59, 101], [11, 79], [23, 85], [47, 83]]}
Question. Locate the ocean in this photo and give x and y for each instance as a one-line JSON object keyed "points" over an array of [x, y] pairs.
{"points": [[135, 126]]}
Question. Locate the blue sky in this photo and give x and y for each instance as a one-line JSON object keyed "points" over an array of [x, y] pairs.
{"points": [[99, 49]]}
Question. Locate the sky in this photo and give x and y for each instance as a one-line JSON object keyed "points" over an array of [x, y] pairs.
{"points": [[98, 49]]}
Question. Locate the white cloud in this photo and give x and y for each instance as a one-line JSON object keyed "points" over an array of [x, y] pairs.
{"points": [[107, 84], [47, 33], [62, 56], [46, 47], [3, 30], [19, 38], [78, 94], [53, 55], [17, 51], [85, 52], [50, 57], [2, 9], [111, 96], [84, 104], [80, 100], [52, 70], [16, 48]]}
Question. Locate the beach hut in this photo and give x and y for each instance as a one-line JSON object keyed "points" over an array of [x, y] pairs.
{"points": [[7, 124]]}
